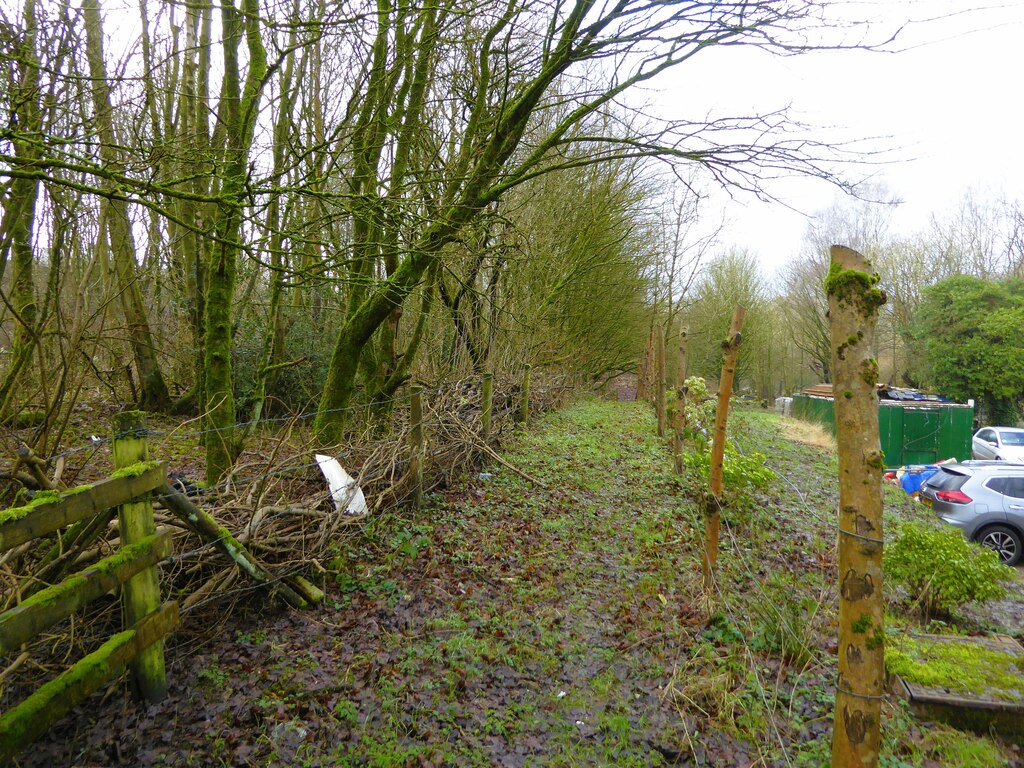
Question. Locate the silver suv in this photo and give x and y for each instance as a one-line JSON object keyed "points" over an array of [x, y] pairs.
{"points": [[985, 500]]}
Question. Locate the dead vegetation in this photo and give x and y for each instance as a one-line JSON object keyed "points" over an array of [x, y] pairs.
{"points": [[808, 433], [275, 502]]}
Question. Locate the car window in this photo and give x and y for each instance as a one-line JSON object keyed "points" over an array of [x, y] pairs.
{"points": [[1015, 487], [999, 485], [1012, 438], [1008, 486], [944, 480], [987, 435]]}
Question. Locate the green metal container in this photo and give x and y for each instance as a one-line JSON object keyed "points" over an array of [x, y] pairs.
{"points": [[910, 431]]}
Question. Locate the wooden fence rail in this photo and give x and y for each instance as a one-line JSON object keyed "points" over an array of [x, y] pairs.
{"points": [[140, 646]]}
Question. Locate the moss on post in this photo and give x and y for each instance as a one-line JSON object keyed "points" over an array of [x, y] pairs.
{"points": [[141, 592], [23, 724], [854, 299]]}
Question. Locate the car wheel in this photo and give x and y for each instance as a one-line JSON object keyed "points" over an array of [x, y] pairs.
{"points": [[1005, 541]]}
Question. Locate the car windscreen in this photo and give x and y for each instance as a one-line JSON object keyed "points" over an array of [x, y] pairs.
{"points": [[1012, 438], [946, 480]]}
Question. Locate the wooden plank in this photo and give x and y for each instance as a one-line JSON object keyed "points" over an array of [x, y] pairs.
{"points": [[22, 524], [26, 722], [50, 605]]}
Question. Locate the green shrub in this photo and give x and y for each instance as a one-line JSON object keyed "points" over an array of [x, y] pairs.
{"points": [[700, 410], [740, 472], [942, 570]]}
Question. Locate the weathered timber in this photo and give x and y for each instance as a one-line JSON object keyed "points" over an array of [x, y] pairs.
{"points": [[53, 566], [853, 303], [141, 592], [204, 526], [416, 444], [306, 589], [487, 401], [524, 403], [36, 466], [50, 605], [731, 348], [21, 524], [23, 724]]}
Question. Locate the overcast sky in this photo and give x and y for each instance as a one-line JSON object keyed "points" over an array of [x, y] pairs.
{"points": [[950, 106]]}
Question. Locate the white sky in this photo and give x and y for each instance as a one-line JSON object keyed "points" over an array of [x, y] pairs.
{"points": [[950, 107]]}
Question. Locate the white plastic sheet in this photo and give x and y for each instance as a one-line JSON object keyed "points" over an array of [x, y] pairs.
{"points": [[347, 495]]}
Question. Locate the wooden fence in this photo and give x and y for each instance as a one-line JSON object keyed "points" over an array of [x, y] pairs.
{"points": [[140, 646]]}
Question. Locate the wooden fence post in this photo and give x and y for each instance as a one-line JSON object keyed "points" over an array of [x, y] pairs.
{"points": [[524, 404], [142, 591], [682, 356], [679, 420], [644, 374], [487, 398], [659, 391], [416, 443], [731, 346], [853, 302]]}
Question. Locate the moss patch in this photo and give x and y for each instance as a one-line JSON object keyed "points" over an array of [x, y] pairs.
{"points": [[134, 470], [851, 286], [17, 513], [963, 667]]}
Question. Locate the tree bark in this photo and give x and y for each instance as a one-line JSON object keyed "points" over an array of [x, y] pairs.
{"points": [[854, 299], [731, 346], [19, 208], [238, 113], [153, 394]]}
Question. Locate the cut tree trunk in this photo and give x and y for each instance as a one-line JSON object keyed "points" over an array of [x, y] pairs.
{"points": [[854, 299], [731, 347]]}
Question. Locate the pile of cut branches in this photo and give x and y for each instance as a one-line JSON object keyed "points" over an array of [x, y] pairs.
{"points": [[275, 505]]}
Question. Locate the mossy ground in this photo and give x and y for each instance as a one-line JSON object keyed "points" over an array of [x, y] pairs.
{"points": [[563, 625], [960, 667]]}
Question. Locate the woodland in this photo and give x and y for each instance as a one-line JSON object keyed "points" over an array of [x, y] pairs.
{"points": [[265, 223], [232, 213]]}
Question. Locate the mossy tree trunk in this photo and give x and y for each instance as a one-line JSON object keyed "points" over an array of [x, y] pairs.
{"points": [[483, 166], [854, 300], [237, 118], [19, 206]]}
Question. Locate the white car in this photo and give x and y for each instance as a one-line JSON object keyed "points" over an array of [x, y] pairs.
{"points": [[999, 444]]}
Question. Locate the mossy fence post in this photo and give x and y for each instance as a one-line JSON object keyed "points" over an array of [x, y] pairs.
{"points": [[659, 392], [141, 593], [487, 400], [524, 403], [731, 347], [416, 443], [853, 302]]}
